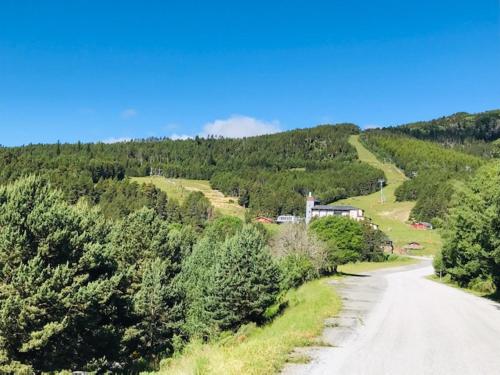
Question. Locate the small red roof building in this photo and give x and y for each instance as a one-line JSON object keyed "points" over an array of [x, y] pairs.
{"points": [[264, 220]]}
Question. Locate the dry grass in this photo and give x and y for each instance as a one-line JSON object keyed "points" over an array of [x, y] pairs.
{"points": [[179, 188]]}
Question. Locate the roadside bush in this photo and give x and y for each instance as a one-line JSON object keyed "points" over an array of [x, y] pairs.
{"points": [[296, 269], [392, 258], [483, 285], [301, 256], [437, 262]]}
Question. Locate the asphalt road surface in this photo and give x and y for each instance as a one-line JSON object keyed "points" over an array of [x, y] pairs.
{"points": [[397, 322]]}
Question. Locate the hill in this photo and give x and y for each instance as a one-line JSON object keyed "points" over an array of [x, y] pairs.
{"points": [[269, 174], [471, 133]]}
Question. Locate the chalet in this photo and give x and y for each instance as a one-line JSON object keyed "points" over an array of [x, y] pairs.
{"points": [[422, 225], [413, 246], [314, 210], [264, 220]]}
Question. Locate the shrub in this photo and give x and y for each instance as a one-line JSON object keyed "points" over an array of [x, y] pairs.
{"points": [[348, 240], [295, 240], [483, 285], [296, 269]]}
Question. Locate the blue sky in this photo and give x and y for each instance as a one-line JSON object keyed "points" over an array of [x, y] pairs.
{"points": [[109, 70]]}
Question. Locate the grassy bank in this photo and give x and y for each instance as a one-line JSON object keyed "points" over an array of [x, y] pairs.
{"points": [[391, 216], [264, 350], [179, 188]]}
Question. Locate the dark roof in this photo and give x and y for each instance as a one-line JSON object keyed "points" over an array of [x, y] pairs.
{"points": [[335, 208]]}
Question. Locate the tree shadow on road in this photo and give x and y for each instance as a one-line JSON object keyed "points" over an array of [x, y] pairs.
{"points": [[352, 274], [494, 297]]}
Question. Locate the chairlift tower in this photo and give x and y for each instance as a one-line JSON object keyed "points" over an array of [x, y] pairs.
{"points": [[382, 198]]}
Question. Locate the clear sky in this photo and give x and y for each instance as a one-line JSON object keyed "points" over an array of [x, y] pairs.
{"points": [[108, 70]]}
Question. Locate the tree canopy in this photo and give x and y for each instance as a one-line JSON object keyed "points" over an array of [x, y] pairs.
{"points": [[270, 174], [471, 253]]}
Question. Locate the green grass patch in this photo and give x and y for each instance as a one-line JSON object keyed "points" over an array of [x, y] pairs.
{"points": [[179, 189], [263, 350], [391, 216], [360, 267]]}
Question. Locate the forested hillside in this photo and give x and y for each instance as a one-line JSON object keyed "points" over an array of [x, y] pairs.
{"points": [[435, 153], [432, 168], [471, 133], [270, 174]]}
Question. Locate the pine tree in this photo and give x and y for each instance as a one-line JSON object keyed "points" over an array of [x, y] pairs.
{"points": [[246, 280], [60, 295], [159, 309]]}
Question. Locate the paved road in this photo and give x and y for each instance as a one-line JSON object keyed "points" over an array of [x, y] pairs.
{"points": [[397, 322]]}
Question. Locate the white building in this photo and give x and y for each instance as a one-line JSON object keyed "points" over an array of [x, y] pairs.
{"points": [[284, 219], [314, 210]]}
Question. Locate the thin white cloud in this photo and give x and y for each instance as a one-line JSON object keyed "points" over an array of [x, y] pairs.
{"points": [[129, 113], [117, 140], [370, 126], [238, 126], [182, 137]]}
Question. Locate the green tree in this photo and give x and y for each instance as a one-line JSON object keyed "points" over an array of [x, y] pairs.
{"points": [[197, 278], [374, 240], [60, 296], [344, 238], [246, 280], [158, 318], [221, 228], [471, 253], [149, 252], [196, 209]]}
